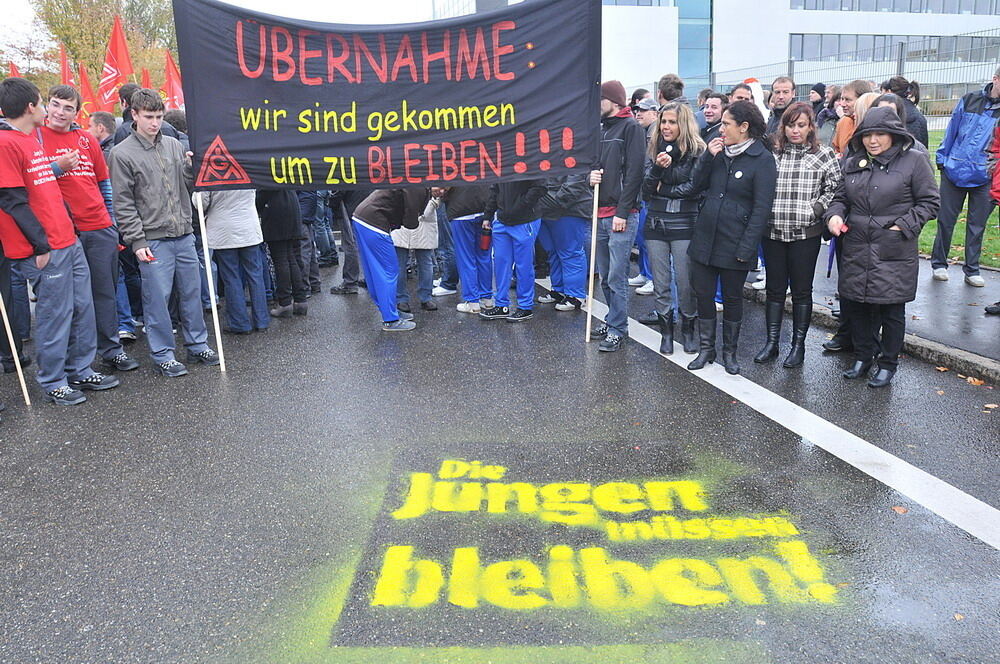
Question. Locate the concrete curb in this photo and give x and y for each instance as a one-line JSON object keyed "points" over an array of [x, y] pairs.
{"points": [[938, 354]]}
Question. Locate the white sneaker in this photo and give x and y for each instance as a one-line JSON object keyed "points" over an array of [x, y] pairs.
{"points": [[545, 298], [637, 280], [718, 306], [975, 280], [645, 289], [759, 285], [469, 307], [761, 274], [940, 274], [437, 282], [440, 291]]}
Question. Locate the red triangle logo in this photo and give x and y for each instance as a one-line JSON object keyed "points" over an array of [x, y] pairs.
{"points": [[219, 167]]}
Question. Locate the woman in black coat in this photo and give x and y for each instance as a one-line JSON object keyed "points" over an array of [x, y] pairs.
{"points": [[909, 92], [889, 193], [672, 201], [281, 222], [738, 174]]}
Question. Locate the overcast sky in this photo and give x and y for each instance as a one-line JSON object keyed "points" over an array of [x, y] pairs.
{"points": [[18, 13]]}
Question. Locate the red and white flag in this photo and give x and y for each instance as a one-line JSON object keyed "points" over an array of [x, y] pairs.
{"points": [[117, 67], [173, 93], [65, 73]]}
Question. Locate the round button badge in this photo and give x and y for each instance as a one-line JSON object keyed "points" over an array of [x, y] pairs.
{"points": [[738, 174], [862, 163]]}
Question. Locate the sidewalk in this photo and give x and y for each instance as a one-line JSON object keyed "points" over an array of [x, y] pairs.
{"points": [[945, 325]]}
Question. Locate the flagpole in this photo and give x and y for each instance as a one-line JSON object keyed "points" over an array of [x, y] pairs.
{"points": [[593, 259], [13, 351], [211, 281]]}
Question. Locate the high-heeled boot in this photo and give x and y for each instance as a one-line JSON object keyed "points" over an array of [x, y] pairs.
{"points": [[706, 344], [688, 337], [666, 332], [730, 342], [801, 316], [773, 313]]}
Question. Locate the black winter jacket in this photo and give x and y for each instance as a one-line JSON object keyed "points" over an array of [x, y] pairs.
{"points": [[465, 200], [895, 188], [623, 158], [514, 202], [389, 209], [916, 123], [739, 193], [569, 196], [280, 216]]}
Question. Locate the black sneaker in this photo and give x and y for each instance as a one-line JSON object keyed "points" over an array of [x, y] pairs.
{"points": [[611, 343], [65, 396], [599, 331], [171, 369], [207, 356], [519, 315], [403, 306], [992, 310], [344, 290], [429, 305], [96, 382], [494, 313], [121, 362]]}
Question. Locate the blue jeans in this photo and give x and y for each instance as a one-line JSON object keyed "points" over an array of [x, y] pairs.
{"points": [[613, 250], [125, 321], [446, 251], [515, 246], [19, 306], [640, 243], [425, 274], [238, 268], [65, 330], [175, 269], [324, 239]]}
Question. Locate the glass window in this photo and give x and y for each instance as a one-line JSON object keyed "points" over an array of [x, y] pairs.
{"points": [[983, 7], [795, 47], [699, 8], [810, 47], [693, 63], [900, 6], [916, 6], [866, 43], [848, 45], [979, 50], [798, 4], [966, 6], [963, 48], [866, 5], [934, 6], [829, 47], [832, 5], [694, 35], [812, 4], [946, 48], [950, 7]]}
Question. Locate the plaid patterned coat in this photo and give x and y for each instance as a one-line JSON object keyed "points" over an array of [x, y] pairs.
{"points": [[806, 184]]}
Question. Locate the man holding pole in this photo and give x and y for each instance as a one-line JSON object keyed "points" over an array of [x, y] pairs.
{"points": [[619, 174], [36, 231], [150, 175]]}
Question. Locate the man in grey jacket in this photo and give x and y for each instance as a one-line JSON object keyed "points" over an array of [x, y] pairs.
{"points": [[150, 174]]}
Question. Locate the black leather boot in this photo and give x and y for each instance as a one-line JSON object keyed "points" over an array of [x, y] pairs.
{"points": [[688, 337], [730, 341], [773, 313], [666, 332], [801, 316], [882, 378], [706, 344], [859, 369]]}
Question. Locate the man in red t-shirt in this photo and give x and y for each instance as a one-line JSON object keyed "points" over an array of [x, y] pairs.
{"points": [[82, 174], [37, 233]]}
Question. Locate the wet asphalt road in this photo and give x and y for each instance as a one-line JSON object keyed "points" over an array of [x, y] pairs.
{"points": [[247, 517]]}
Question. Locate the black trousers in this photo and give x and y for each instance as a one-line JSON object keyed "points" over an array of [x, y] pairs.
{"points": [[703, 281], [866, 319], [289, 271], [5, 353], [791, 263]]}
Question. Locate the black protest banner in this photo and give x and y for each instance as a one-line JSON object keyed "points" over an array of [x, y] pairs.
{"points": [[278, 102]]}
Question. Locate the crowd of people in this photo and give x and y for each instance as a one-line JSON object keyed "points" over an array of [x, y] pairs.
{"points": [[99, 223]]}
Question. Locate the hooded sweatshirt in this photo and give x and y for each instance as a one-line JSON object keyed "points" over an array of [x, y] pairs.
{"points": [[623, 158]]}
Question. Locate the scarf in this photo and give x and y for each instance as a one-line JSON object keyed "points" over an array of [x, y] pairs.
{"points": [[733, 151]]}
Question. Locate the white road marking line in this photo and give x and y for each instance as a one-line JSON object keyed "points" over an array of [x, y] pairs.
{"points": [[950, 503]]}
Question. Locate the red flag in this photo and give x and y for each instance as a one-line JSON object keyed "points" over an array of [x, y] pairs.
{"points": [[14, 71], [117, 67], [90, 103], [66, 74], [145, 81], [173, 93]]}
